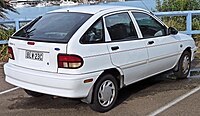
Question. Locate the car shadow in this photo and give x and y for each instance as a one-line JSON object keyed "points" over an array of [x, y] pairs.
{"points": [[44, 102], [130, 92]]}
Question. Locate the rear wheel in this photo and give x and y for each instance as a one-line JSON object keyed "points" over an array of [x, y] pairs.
{"points": [[32, 93], [105, 94], [184, 65]]}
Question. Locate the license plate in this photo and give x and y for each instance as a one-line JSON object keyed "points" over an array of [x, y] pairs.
{"points": [[34, 55]]}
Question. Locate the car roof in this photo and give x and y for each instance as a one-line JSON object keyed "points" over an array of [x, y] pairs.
{"points": [[93, 9]]}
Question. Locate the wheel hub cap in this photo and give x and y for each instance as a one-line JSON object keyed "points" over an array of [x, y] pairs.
{"points": [[106, 93], [186, 64]]}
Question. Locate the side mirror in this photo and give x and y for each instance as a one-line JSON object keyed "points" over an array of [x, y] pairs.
{"points": [[172, 31]]}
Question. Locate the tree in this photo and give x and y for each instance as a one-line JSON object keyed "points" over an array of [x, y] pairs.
{"points": [[158, 5], [177, 5], [4, 7]]}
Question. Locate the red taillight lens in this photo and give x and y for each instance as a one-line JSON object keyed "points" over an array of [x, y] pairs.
{"points": [[31, 43], [10, 53], [69, 61]]}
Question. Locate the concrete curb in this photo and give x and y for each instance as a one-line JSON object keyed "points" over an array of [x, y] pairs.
{"points": [[195, 72], [195, 69]]}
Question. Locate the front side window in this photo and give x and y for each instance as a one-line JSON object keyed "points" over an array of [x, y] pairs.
{"points": [[95, 34], [52, 27], [120, 27], [149, 26]]}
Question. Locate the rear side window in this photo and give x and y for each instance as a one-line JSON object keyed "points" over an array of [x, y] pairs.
{"points": [[95, 34], [52, 27], [120, 27], [149, 26]]}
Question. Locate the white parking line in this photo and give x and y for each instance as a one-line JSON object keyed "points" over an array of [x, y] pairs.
{"points": [[9, 90], [158, 111]]}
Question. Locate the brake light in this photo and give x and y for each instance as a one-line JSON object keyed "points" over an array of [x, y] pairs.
{"points": [[69, 61], [10, 53], [31, 43]]}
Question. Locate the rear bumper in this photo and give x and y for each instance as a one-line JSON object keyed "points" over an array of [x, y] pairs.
{"points": [[64, 85]]}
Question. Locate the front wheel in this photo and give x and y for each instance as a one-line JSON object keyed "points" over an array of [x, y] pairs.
{"points": [[104, 94], [184, 65]]}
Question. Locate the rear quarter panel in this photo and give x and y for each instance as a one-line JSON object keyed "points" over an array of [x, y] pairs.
{"points": [[95, 56]]}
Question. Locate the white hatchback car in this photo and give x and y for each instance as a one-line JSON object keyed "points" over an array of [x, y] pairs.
{"points": [[91, 52]]}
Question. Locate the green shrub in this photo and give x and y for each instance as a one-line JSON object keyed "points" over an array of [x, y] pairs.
{"points": [[4, 35]]}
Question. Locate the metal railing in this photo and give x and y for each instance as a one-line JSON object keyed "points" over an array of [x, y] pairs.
{"points": [[2, 42], [188, 15], [16, 22], [16, 25]]}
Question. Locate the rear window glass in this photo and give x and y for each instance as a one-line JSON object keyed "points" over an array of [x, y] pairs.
{"points": [[52, 27]]}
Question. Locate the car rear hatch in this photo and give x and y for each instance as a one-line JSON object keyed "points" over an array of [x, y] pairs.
{"points": [[36, 55], [37, 45]]}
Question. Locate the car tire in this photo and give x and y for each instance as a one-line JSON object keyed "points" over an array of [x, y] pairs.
{"points": [[184, 65], [33, 94], [104, 94]]}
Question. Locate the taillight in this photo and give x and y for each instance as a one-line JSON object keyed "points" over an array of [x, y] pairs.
{"points": [[69, 61], [10, 53]]}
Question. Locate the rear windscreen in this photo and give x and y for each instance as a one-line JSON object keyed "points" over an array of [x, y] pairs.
{"points": [[52, 27]]}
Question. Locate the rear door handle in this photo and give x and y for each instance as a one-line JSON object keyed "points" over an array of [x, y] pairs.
{"points": [[115, 48], [150, 42]]}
